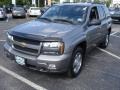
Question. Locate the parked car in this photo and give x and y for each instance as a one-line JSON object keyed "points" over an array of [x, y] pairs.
{"points": [[8, 9], [18, 12], [3, 14], [115, 13], [59, 39], [34, 11]]}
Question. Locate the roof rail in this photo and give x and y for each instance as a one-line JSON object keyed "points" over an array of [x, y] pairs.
{"points": [[68, 2], [95, 2]]}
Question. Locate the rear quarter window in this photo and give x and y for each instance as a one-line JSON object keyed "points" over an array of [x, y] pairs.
{"points": [[102, 14], [107, 13]]}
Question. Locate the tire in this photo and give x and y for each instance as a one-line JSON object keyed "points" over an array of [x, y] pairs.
{"points": [[75, 65], [24, 16], [105, 43], [5, 18], [13, 16]]}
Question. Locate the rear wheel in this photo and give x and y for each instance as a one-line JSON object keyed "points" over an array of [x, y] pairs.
{"points": [[24, 16], [105, 43], [76, 63], [13, 16]]}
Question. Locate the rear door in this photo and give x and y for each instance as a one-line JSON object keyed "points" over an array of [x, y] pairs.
{"points": [[92, 30], [103, 19]]}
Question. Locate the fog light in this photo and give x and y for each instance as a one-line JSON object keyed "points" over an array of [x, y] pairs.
{"points": [[52, 66]]}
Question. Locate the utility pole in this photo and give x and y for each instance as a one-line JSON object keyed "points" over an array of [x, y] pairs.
{"points": [[38, 3], [34, 2], [45, 2]]}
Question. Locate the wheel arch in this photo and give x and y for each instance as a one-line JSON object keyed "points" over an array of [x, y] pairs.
{"points": [[109, 30], [82, 45]]}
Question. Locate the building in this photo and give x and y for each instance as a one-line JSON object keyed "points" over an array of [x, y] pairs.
{"points": [[115, 3], [35, 2]]}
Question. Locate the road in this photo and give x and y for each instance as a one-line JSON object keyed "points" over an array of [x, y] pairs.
{"points": [[101, 70]]}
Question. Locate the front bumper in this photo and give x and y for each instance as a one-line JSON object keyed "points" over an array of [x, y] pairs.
{"points": [[115, 17], [2, 16], [42, 62], [18, 14]]}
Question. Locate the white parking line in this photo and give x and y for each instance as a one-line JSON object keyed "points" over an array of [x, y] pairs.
{"points": [[35, 86], [115, 36], [113, 33], [113, 55]]}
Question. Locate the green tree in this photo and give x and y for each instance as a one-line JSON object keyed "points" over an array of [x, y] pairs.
{"points": [[23, 2], [83, 0], [108, 2], [97, 1], [19, 2], [5, 2]]}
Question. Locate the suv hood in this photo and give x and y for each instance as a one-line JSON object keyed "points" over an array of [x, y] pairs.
{"points": [[44, 29]]}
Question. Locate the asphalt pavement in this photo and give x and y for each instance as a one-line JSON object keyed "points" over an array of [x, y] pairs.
{"points": [[101, 70]]}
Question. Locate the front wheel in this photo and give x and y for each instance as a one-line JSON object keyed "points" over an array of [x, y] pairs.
{"points": [[105, 43], [76, 63]]}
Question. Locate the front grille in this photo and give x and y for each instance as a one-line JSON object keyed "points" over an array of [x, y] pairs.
{"points": [[34, 51], [29, 41], [27, 46]]}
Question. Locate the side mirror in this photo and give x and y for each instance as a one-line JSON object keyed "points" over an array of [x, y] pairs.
{"points": [[94, 22]]}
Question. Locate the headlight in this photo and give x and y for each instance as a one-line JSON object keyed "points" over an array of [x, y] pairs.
{"points": [[9, 36], [112, 12], [53, 48]]}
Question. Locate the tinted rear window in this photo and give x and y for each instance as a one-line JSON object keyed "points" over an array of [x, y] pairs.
{"points": [[35, 8], [101, 12], [18, 8]]}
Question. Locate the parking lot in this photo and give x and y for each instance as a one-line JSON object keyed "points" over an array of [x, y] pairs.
{"points": [[101, 70]]}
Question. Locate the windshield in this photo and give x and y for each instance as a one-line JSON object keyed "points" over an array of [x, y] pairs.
{"points": [[73, 13], [18, 8]]}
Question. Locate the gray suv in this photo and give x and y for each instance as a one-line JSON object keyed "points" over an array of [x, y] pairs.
{"points": [[58, 40]]}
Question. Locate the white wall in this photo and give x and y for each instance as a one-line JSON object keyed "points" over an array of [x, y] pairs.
{"points": [[14, 2], [116, 1]]}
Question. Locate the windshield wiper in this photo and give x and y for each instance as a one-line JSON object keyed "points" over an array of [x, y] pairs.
{"points": [[64, 20], [43, 18]]}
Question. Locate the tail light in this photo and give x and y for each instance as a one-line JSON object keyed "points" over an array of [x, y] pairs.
{"points": [[2, 12]]}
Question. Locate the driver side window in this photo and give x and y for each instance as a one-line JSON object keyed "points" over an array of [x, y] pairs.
{"points": [[94, 14]]}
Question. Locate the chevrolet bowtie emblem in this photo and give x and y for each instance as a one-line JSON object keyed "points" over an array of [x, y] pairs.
{"points": [[23, 44]]}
